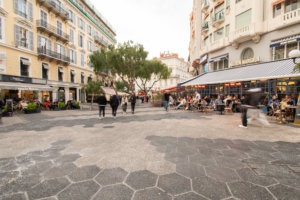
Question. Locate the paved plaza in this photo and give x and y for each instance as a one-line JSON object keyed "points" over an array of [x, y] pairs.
{"points": [[152, 155]]}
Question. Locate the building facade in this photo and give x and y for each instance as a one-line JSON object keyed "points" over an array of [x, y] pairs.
{"points": [[180, 71], [230, 33], [45, 47]]}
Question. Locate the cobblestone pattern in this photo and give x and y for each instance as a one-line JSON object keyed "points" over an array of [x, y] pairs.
{"points": [[205, 169]]}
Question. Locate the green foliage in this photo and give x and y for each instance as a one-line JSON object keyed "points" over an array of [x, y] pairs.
{"points": [[93, 87], [121, 86], [151, 72], [61, 105], [123, 60], [4, 110], [77, 104], [297, 68], [31, 106]]}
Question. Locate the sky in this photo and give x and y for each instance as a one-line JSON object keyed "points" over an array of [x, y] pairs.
{"points": [[159, 25]]}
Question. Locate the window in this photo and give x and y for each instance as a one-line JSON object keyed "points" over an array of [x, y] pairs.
{"points": [[90, 30], [24, 8], [80, 41], [237, 1], [215, 66], [276, 10], [227, 3], [60, 49], [227, 29], [24, 67], [44, 18], [219, 34], [60, 74], [82, 78], [72, 76], [90, 78], [90, 46], [81, 24], [72, 56], [279, 52], [44, 44], [206, 41], [247, 54], [243, 19], [23, 37], [82, 60], [290, 47], [1, 29], [59, 28], [1, 3], [72, 17], [45, 68], [291, 5], [219, 12], [72, 36]]}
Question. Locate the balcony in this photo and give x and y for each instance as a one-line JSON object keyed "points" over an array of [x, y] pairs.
{"points": [[205, 28], [43, 26], [249, 32], [44, 53], [205, 6], [55, 8], [101, 41], [218, 19]]}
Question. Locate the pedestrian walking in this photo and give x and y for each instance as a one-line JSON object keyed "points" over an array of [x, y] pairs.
{"points": [[101, 100], [166, 100], [124, 103], [133, 102], [249, 108], [114, 103]]}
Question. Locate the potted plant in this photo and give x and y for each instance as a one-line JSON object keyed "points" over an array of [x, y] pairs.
{"points": [[61, 105], [32, 108]]}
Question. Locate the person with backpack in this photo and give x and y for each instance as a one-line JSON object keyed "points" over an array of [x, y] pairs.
{"points": [[114, 103], [133, 102], [101, 100]]}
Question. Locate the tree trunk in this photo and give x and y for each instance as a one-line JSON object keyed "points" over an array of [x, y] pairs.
{"points": [[92, 99]]}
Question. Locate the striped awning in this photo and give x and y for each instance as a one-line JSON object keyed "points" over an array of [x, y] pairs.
{"points": [[275, 2], [260, 71]]}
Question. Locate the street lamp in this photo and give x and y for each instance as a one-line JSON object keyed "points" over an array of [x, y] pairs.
{"points": [[294, 54]]}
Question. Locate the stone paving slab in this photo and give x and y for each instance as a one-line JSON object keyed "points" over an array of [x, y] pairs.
{"points": [[151, 155]]}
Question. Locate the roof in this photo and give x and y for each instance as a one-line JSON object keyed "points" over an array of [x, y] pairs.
{"points": [[260, 71]]}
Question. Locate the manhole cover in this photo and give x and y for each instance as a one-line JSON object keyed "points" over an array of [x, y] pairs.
{"points": [[108, 127]]}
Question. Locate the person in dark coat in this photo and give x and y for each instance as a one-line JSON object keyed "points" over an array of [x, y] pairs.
{"points": [[166, 100], [102, 103], [114, 103], [133, 102]]}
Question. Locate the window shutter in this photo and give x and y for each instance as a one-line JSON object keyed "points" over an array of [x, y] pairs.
{"points": [[49, 45], [30, 11], [78, 39], [16, 5], [39, 41], [78, 22], [64, 51], [31, 43], [83, 25], [17, 34], [75, 57], [69, 53], [74, 18], [55, 47]]}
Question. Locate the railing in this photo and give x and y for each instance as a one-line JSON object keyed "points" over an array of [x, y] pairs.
{"points": [[22, 44], [52, 29], [56, 8], [205, 26], [242, 30], [101, 40], [291, 15], [57, 56]]}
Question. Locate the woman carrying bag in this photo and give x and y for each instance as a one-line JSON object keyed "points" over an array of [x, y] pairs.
{"points": [[124, 103]]}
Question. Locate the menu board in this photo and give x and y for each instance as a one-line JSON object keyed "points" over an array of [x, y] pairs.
{"points": [[297, 118]]}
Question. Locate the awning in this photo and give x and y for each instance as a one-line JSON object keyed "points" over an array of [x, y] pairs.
{"points": [[260, 71], [23, 86], [82, 74], [25, 62], [61, 70], [219, 3], [298, 39], [73, 72], [275, 2], [275, 44], [91, 76], [46, 66], [171, 88], [108, 91]]}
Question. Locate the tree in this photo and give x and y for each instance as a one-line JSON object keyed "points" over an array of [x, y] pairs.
{"points": [[123, 61], [121, 86], [297, 68], [150, 73], [93, 88]]}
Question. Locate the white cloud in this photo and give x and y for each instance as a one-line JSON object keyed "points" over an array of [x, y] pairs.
{"points": [[160, 25]]}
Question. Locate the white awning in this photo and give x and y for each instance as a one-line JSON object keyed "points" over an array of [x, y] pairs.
{"points": [[82, 74], [91, 76], [258, 71], [61, 70], [25, 62], [24, 86], [73, 72], [45, 66], [108, 91]]}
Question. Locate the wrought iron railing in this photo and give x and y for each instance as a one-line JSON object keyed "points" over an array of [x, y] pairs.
{"points": [[52, 54], [52, 29], [101, 40], [57, 8]]}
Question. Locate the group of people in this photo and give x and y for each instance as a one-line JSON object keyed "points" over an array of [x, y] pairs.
{"points": [[114, 103]]}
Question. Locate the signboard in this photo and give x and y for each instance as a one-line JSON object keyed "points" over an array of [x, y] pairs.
{"points": [[19, 79], [203, 59], [297, 117], [206, 67]]}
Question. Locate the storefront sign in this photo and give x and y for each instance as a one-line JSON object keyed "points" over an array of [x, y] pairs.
{"points": [[7, 78], [38, 81], [243, 62]]}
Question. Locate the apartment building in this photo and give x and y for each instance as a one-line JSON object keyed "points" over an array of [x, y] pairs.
{"points": [[240, 44], [45, 47]]}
